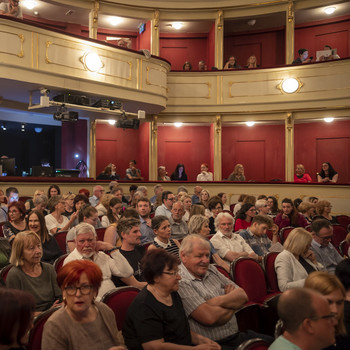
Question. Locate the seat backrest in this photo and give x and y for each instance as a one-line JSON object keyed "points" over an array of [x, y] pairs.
{"points": [[344, 220], [254, 344], [36, 333], [269, 266], [61, 240], [223, 271], [248, 317], [59, 262], [100, 233], [249, 275], [344, 248], [339, 234], [1, 232], [284, 232], [4, 272], [119, 300]]}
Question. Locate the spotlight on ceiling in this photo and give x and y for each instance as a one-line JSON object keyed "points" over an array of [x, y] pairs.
{"points": [[114, 21], [249, 123], [111, 122], [328, 120], [23, 128], [329, 10], [29, 4], [178, 124], [177, 25], [64, 115]]}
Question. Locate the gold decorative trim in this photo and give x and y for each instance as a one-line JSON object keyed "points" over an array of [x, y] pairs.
{"points": [[21, 38], [32, 49], [148, 81]]}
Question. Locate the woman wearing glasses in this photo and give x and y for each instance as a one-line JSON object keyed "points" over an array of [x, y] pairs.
{"points": [[156, 318], [323, 210], [82, 323]]}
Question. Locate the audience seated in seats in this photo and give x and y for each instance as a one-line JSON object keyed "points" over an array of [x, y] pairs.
{"points": [[330, 57], [54, 190], [202, 66], [210, 299], [118, 192], [11, 8], [109, 173], [205, 174], [162, 174], [296, 261], [78, 202], [40, 203], [323, 210], [82, 323], [195, 197], [215, 207], [178, 226], [187, 202], [327, 173], [158, 189], [168, 201], [199, 224], [308, 210], [228, 244], [307, 321], [330, 286], [204, 200], [313, 200], [103, 205], [179, 173], [30, 274], [98, 192], [326, 254], [143, 190], [143, 208], [303, 57], [132, 173], [251, 62], [255, 235], [11, 196], [16, 318], [29, 204], [232, 63], [187, 66], [342, 271], [273, 205], [162, 230], [237, 174], [289, 216], [68, 204], [262, 207], [244, 216], [16, 220], [300, 176], [156, 318], [50, 247], [223, 197], [197, 209], [113, 212], [115, 264]]}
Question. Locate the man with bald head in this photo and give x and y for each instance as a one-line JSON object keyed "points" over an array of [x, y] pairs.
{"points": [[307, 320], [98, 191]]}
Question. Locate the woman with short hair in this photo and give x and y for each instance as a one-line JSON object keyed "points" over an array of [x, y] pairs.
{"points": [[300, 176], [16, 220], [323, 210]]}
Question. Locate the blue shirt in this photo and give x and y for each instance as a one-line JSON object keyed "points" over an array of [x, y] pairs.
{"points": [[147, 234], [260, 244]]}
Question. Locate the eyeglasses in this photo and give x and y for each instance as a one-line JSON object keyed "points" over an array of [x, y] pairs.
{"points": [[84, 290], [171, 273], [325, 317], [327, 238], [171, 199]]}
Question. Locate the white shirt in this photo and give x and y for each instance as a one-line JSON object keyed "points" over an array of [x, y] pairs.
{"points": [[51, 222], [206, 176]]}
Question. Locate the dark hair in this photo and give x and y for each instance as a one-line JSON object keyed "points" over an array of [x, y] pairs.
{"points": [[132, 188], [111, 204], [175, 174], [293, 216], [157, 221], [86, 211], [143, 199], [17, 308], [189, 63], [342, 271], [165, 195], [261, 219], [331, 171], [80, 197], [241, 214], [71, 273], [297, 202], [132, 161], [301, 51], [155, 261], [262, 196], [214, 201], [130, 213], [11, 189], [53, 186], [44, 233], [126, 224], [20, 206], [274, 208], [318, 224], [241, 197]]}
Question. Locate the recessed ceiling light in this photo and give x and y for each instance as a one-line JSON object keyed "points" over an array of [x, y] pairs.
{"points": [[29, 4], [249, 123], [111, 122], [329, 10], [177, 25], [114, 21], [178, 124], [328, 120]]}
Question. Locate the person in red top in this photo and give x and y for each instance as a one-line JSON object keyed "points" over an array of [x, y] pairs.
{"points": [[300, 176], [289, 216], [244, 216]]}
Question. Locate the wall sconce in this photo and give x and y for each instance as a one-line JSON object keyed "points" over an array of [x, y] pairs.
{"points": [[290, 85], [249, 123], [328, 120], [329, 10], [178, 124], [177, 25], [91, 61]]}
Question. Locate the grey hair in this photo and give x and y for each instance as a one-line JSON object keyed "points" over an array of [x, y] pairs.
{"points": [[182, 189], [196, 222], [260, 203], [189, 241], [221, 216], [155, 188], [84, 227], [141, 188], [40, 199]]}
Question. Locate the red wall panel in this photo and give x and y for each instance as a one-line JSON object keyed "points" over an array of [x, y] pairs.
{"points": [[211, 47], [189, 145], [144, 39], [259, 148], [319, 142]]}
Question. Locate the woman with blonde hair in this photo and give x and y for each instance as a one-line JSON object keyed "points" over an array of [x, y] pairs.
{"points": [[29, 204], [296, 261], [69, 204], [237, 174], [308, 210], [251, 62], [102, 207], [331, 287], [187, 202], [300, 176], [204, 197], [323, 210]]}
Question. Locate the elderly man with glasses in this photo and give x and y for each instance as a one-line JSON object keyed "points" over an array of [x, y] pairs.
{"points": [[326, 254]]}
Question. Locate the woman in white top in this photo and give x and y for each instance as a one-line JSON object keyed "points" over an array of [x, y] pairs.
{"points": [[187, 202], [113, 211], [205, 174], [297, 261]]}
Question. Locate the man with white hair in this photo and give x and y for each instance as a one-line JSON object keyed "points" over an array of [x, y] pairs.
{"points": [[228, 244], [178, 225], [97, 194], [116, 264], [262, 207]]}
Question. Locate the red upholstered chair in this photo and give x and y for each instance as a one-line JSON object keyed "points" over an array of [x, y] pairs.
{"points": [[100, 233], [344, 248], [344, 221], [248, 317], [4, 272], [339, 234], [59, 262], [284, 232], [269, 234], [232, 207], [270, 272], [23, 199], [223, 271], [61, 240], [249, 275], [254, 344], [36, 333], [119, 300]]}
